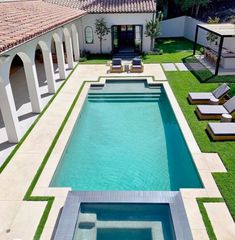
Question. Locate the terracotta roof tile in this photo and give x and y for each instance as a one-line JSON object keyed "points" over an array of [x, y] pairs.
{"points": [[109, 6], [24, 20]]}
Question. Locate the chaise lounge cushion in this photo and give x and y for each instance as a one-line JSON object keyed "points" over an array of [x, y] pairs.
{"points": [[117, 62], [116, 66], [222, 128], [213, 96], [221, 90], [212, 109], [230, 105], [201, 95], [136, 62]]}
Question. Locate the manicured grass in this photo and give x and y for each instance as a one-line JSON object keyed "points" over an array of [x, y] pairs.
{"points": [[97, 59], [174, 50], [182, 83], [203, 75]]}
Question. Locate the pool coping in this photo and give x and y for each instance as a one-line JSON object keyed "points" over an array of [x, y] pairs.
{"points": [[206, 163], [69, 217]]}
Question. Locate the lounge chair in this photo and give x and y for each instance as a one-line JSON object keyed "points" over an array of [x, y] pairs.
{"points": [[216, 111], [221, 131], [116, 65], [137, 66], [218, 95]]}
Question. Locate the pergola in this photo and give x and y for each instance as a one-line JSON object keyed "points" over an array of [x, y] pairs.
{"points": [[226, 30]]}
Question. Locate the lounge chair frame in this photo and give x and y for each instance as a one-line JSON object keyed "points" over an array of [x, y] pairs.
{"points": [[116, 70], [137, 70], [219, 137]]}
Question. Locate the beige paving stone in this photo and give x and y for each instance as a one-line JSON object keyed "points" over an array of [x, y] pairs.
{"points": [[214, 162], [200, 234], [193, 193], [8, 211], [221, 220], [193, 214], [26, 221]]}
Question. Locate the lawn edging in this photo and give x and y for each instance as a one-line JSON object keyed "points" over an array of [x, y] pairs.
{"points": [[205, 217]]}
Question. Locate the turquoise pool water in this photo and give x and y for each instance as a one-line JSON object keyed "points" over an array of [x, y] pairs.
{"points": [[124, 221], [127, 138]]}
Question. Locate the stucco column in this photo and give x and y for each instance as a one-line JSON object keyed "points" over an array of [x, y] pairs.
{"points": [[76, 49], [33, 87], [69, 51], [8, 109], [48, 64], [60, 59]]}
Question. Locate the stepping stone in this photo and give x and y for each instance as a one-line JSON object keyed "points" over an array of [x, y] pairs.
{"points": [[169, 67], [181, 67]]}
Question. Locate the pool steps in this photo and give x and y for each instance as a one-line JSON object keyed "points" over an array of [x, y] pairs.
{"points": [[88, 225]]}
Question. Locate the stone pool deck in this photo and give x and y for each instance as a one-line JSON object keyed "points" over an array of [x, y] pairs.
{"points": [[16, 214]]}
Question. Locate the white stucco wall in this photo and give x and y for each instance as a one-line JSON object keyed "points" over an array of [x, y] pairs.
{"points": [[111, 19], [182, 27], [173, 27]]}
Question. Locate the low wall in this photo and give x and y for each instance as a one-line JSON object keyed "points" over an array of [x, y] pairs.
{"points": [[183, 27]]}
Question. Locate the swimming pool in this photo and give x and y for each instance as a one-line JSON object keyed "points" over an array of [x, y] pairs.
{"points": [[124, 221], [127, 138]]}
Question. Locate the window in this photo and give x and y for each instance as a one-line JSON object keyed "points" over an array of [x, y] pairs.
{"points": [[89, 35]]}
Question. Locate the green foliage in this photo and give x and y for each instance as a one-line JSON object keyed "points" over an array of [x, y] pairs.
{"points": [[101, 30], [153, 28], [211, 37], [194, 5]]}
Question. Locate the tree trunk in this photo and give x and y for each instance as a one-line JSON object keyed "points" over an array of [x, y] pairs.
{"points": [[152, 44], [165, 9], [101, 50], [197, 10]]}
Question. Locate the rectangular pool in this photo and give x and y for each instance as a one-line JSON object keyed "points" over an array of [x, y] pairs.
{"points": [[127, 138]]}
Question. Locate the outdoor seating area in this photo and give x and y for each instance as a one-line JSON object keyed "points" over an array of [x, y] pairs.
{"points": [[209, 109], [117, 66]]}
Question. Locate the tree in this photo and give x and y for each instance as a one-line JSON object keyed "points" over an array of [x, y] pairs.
{"points": [[211, 37], [101, 30], [194, 5], [153, 28]]}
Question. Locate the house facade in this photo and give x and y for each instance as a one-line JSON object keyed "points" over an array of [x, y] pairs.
{"points": [[125, 19]]}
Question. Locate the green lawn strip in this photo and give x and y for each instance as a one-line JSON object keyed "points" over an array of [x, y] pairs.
{"points": [[207, 222], [204, 75], [182, 83], [33, 125], [49, 199]]}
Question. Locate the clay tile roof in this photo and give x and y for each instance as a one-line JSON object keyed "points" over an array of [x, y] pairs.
{"points": [[109, 6], [23, 20]]}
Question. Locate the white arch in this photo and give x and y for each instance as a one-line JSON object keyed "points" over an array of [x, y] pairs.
{"points": [[48, 65], [76, 49], [59, 54], [31, 79], [68, 46]]}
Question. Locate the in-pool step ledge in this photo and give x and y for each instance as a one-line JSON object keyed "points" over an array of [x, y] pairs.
{"points": [[123, 96]]}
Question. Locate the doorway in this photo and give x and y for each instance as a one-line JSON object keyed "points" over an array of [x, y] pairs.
{"points": [[127, 38]]}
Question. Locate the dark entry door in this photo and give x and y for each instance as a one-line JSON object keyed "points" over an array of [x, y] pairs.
{"points": [[126, 37]]}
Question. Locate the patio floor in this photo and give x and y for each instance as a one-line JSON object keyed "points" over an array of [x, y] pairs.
{"points": [[23, 105]]}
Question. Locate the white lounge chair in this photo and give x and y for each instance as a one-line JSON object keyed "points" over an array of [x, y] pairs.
{"points": [[216, 111], [221, 131], [217, 95]]}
